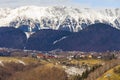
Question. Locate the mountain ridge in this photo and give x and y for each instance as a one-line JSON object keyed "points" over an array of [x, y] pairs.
{"points": [[58, 18]]}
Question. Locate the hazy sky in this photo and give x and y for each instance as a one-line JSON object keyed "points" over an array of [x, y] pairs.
{"points": [[76, 3]]}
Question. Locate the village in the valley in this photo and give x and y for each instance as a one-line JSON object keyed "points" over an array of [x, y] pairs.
{"points": [[8, 52], [73, 62]]}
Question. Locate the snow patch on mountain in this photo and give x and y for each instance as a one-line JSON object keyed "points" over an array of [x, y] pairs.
{"points": [[59, 40], [28, 34]]}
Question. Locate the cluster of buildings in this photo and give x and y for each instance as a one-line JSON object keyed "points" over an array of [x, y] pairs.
{"points": [[58, 54]]}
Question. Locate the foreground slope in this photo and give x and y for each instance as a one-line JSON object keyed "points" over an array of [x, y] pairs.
{"points": [[110, 74]]}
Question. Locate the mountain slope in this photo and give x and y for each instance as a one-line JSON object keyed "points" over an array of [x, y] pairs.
{"points": [[97, 37], [58, 18], [44, 40], [12, 38]]}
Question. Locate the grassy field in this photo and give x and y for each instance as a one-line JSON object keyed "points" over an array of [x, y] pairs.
{"points": [[110, 75], [16, 59], [87, 61], [42, 69], [28, 60], [8, 59], [48, 64]]}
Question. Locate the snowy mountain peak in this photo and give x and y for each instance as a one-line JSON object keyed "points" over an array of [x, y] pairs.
{"points": [[63, 18]]}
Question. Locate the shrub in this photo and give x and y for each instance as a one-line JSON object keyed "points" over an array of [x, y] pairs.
{"points": [[117, 70], [76, 77]]}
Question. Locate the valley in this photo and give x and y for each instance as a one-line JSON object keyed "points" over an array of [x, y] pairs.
{"points": [[65, 65]]}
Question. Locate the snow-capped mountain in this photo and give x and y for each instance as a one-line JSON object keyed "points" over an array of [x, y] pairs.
{"points": [[58, 18]]}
